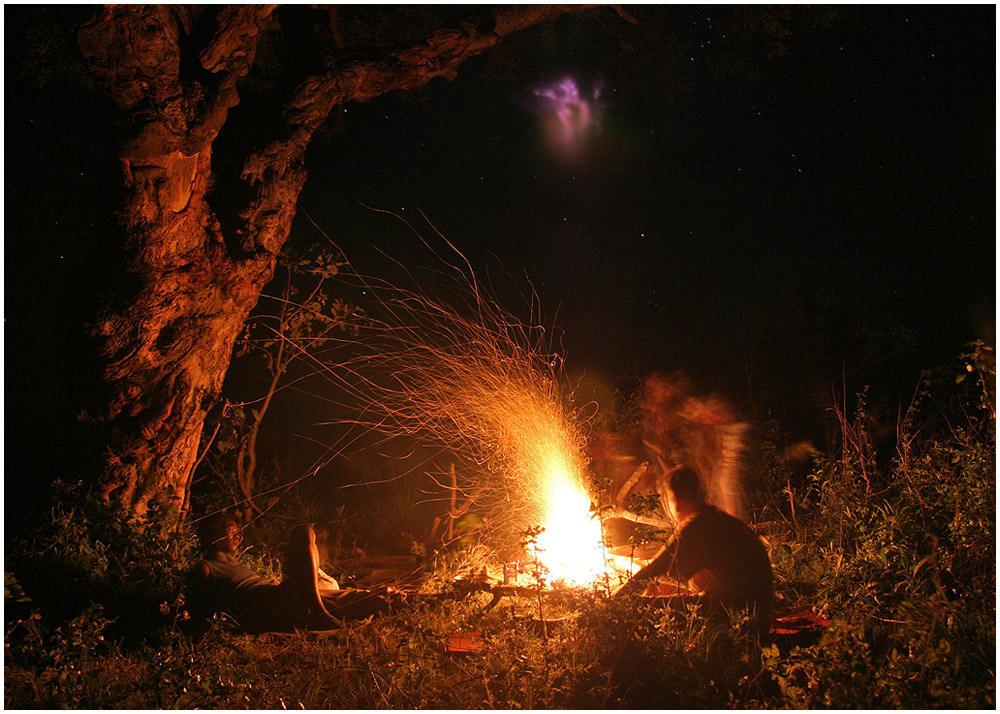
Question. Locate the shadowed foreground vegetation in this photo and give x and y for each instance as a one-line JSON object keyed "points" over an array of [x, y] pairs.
{"points": [[894, 542]]}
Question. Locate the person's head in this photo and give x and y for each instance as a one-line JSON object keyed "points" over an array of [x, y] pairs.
{"points": [[685, 493], [220, 533]]}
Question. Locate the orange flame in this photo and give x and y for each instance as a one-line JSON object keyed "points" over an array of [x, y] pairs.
{"points": [[571, 547], [484, 385]]}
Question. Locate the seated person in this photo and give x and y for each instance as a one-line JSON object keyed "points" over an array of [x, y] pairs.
{"points": [[304, 598], [715, 554]]}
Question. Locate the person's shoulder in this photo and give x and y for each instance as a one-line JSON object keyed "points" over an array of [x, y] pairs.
{"points": [[210, 562], [202, 570], [717, 521], [706, 520], [714, 513], [709, 515]]}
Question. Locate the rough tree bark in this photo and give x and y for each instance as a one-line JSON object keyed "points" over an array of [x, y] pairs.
{"points": [[201, 241]]}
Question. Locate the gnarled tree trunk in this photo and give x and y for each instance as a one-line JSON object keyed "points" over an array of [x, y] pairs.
{"points": [[201, 237]]}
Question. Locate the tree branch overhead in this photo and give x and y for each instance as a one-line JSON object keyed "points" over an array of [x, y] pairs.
{"points": [[202, 245]]}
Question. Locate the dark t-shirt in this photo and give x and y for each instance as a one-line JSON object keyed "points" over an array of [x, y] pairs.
{"points": [[733, 554]]}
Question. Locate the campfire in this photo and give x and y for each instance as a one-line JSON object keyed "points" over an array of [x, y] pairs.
{"points": [[485, 386], [571, 545]]}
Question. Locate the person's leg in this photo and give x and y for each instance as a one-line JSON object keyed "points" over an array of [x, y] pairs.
{"points": [[351, 604], [299, 585], [262, 608]]}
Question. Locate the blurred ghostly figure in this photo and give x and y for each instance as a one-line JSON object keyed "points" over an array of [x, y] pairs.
{"points": [[674, 426], [681, 428], [569, 112]]}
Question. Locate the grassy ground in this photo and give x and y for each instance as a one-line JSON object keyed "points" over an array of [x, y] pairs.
{"points": [[602, 655], [897, 549]]}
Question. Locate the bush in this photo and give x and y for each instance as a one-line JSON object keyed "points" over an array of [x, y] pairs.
{"points": [[93, 553], [615, 653], [906, 557], [897, 549]]}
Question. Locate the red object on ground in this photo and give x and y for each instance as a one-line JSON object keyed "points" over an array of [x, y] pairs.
{"points": [[800, 629], [464, 643], [801, 621]]}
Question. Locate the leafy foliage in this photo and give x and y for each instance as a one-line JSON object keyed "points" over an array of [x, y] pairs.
{"points": [[286, 337], [904, 556], [94, 555], [614, 653], [898, 550]]}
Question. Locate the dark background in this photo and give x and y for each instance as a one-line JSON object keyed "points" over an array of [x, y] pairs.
{"points": [[826, 222], [832, 222]]}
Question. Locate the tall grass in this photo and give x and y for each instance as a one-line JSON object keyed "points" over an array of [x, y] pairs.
{"points": [[897, 548]]}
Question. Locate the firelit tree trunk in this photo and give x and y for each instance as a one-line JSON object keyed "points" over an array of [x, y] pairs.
{"points": [[200, 238], [167, 336]]}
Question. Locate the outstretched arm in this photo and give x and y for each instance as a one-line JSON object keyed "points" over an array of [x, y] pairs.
{"points": [[660, 565]]}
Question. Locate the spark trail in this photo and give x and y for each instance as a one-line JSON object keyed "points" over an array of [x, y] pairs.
{"points": [[458, 370]]}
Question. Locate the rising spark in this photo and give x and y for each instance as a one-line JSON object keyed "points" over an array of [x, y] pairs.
{"points": [[466, 374]]}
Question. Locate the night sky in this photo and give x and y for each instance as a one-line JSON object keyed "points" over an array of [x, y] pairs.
{"points": [[755, 234], [856, 178]]}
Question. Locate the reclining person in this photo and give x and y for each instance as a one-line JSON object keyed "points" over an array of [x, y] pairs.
{"points": [[304, 597], [715, 554]]}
